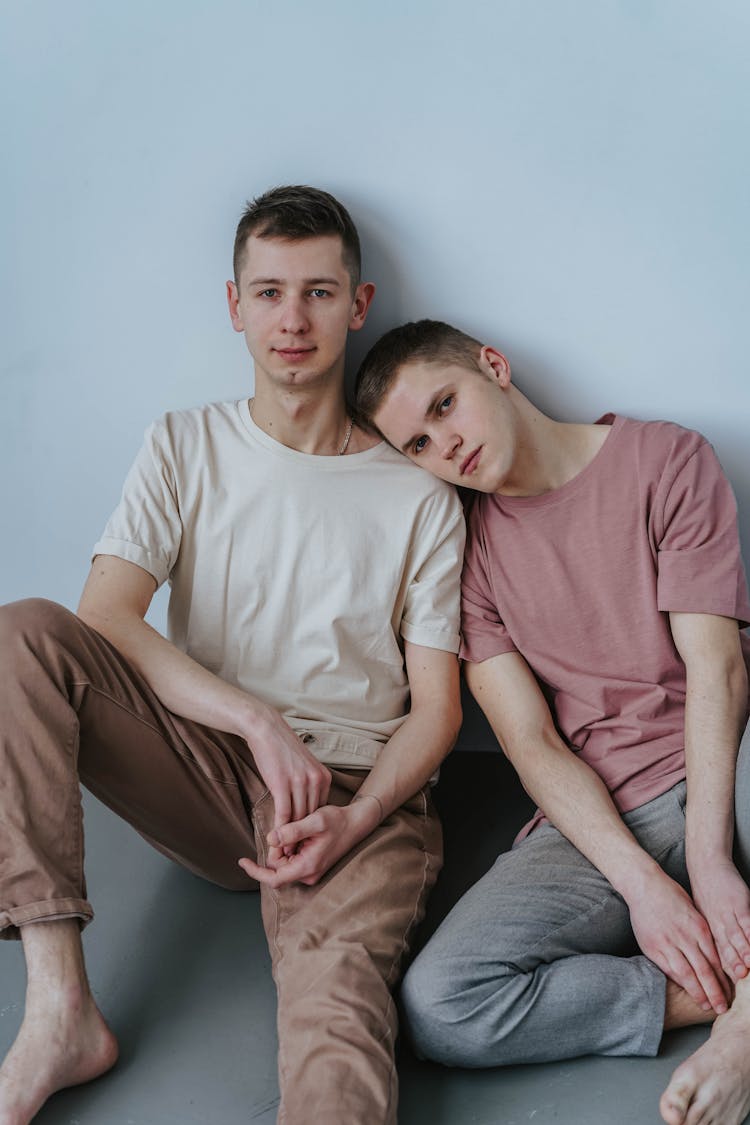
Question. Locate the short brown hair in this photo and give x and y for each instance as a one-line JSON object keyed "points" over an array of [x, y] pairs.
{"points": [[431, 341], [296, 212]]}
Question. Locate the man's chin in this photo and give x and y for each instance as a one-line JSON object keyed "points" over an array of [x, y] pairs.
{"points": [[300, 378]]}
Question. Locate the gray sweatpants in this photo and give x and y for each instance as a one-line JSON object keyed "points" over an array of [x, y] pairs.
{"points": [[538, 960]]}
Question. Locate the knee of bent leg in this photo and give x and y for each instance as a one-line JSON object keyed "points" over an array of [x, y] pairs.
{"points": [[432, 1009], [32, 618]]}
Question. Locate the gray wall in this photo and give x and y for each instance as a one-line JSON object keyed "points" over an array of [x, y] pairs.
{"points": [[566, 180]]}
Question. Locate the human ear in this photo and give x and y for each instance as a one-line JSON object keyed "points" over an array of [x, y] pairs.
{"points": [[494, 364], [233, 300], [363, 296]]}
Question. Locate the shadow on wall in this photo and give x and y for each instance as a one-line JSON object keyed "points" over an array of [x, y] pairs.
{"points": [[399, 299], [393, 300]]}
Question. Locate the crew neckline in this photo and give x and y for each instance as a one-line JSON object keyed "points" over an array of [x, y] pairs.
{"points": [[615, 423], [333, 462]]}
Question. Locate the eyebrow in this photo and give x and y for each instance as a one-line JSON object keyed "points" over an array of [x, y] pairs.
{"points": [[432, 406], [307, 281]]}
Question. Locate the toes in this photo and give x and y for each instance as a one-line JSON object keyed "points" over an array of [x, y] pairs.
{"points": [[675, 1101]]}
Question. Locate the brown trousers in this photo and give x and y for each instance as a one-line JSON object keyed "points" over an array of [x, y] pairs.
{"points": [[72, 709]]}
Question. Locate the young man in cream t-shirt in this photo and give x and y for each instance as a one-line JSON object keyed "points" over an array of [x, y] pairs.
{"points": [[287, 730]]}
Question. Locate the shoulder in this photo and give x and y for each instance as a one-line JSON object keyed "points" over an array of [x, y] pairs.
{"points": [[415, 482], [214, 415], [660, 443], [180, 430]]}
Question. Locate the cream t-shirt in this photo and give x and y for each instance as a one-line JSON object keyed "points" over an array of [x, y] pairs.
{"points": [[295, 577]]}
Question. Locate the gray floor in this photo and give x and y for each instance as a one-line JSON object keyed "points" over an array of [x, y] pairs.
{"points": [[181, 971]]}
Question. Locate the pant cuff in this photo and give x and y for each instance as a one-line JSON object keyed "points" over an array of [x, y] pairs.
{"points": [[53, 910], [657, 988]]}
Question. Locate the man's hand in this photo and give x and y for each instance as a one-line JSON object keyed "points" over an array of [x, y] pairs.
{"points": [[297, 781], [723, 898], [303, 851], [676, 937]]}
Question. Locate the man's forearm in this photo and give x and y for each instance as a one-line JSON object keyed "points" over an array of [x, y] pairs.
{"points": [[183, 686], [715, 709], [571, 794], [114, 603], [411, 757], [576, 801], [714, 718]]}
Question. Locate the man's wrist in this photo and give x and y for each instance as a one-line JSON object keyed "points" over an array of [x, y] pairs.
{"points": [[639, 878], [702, 864], [367, 809], [254, 718]]}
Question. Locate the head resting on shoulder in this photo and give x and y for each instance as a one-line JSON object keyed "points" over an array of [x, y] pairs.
{"points": [[420, 341]]}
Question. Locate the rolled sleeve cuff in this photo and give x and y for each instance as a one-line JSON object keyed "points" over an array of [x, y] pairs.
{"points": [[695, 582], [478, 649], [134, 553], [441, 639]]}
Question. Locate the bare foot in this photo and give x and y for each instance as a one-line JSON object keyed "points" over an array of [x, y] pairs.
{"points": [[712, 1087], [681, 1010], [58, 1045]]}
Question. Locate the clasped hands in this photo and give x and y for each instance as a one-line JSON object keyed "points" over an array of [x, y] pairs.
{"points": [[308, 836]]}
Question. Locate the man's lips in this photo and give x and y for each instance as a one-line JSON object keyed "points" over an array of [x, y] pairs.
{"points": [[471, 462], [294, 353]]}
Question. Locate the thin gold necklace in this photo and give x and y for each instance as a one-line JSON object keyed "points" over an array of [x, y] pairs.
{"points": [[345, 442]]}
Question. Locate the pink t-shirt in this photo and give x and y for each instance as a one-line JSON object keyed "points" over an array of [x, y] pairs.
{"points": [[580, 581]]}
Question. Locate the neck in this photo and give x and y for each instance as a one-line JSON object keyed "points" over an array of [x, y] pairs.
{"points": [[549, 453], [311, 420]]}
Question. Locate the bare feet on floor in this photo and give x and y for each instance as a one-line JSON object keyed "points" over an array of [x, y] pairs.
{"points": [[62, 1045], [712, 1087]]}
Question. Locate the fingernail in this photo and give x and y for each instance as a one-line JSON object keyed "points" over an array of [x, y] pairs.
{"points": [[706, 1006], [273, 838]]}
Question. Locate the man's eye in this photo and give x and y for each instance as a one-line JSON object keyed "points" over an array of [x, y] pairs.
{"points": [[320, 292], [268, 292], [420, 443], [445, 404]]}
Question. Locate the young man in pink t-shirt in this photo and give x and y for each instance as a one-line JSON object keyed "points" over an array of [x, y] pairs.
{"points": [[602, 591]]}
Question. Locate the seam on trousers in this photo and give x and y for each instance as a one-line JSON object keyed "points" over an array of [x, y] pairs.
{"points": [[410, 924], [273, 936], [229, 783], [70, 747], [571, 921], [390, 1003], [415, 911]]}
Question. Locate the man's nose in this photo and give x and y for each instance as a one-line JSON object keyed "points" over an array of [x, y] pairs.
{"points": [[294, 316], [450, 444]]}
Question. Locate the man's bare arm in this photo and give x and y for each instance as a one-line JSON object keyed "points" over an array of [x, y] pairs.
{"points": [[406, 763], [715, 709], [429, 732], [115, 599], [667, 926]]}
